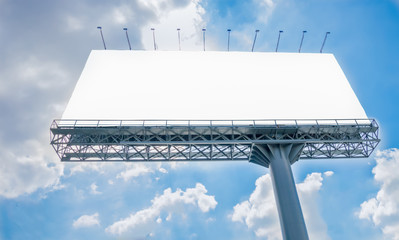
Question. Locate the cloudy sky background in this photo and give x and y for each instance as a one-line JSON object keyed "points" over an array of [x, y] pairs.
{"points": [[43, 48]]}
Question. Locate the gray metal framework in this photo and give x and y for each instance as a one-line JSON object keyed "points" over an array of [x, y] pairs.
{"points": [[271, 143], [210, 140]]}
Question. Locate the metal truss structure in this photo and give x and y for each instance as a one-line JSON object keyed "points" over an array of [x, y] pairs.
{"points": [[210, 140], [271, 143]]}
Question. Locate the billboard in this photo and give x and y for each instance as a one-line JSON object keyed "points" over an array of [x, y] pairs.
{"points": [[122, 84]]}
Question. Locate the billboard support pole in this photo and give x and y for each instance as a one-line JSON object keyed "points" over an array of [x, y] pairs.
{"points": [[275, 146], [280, 157]]}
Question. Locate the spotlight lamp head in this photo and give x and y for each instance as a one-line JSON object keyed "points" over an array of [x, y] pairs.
{"points": [[303, 35], [102, 37], [228, 39], [278, 40], [127, 38], [253, 44], [178, 36], [324, 42]]}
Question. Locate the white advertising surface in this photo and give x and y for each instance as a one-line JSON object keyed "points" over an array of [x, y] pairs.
{"points": [[178, 85]]}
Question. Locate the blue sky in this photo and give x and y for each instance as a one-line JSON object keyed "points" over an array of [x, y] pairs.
{"points": [[44, 46]]}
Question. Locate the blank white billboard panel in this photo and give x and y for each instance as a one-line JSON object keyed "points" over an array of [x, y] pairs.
{"points": [[212, 85]]}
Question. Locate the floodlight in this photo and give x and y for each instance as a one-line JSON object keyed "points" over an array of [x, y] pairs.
{"points": [[278, 40], [300, 45], [228, 39], [253, 45], [324, 42], [153, 37], [178, 36], [102, 37], [127, 37], [203, 36]]}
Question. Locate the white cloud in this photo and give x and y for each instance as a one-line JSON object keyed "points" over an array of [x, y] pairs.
{"points": [[383, 210], [176, 165], [121, 14], [35, 73], [259, 212], [308, 195], [312, 183], [27, 170], [134, 170], [257, 14], [93, 189], [86, 221], [73, 23], [89, 166], [269, 3], [267, 7], [328, 173], [129, 170], [143, 222], [28, 163], [165, 16], [170, 15], [210, 220], [36, 83]]}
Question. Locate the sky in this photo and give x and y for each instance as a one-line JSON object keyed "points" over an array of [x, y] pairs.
{"points": [[43, 48]]}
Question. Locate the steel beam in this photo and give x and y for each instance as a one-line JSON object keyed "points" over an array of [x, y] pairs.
{"points": [[175, 140]]}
